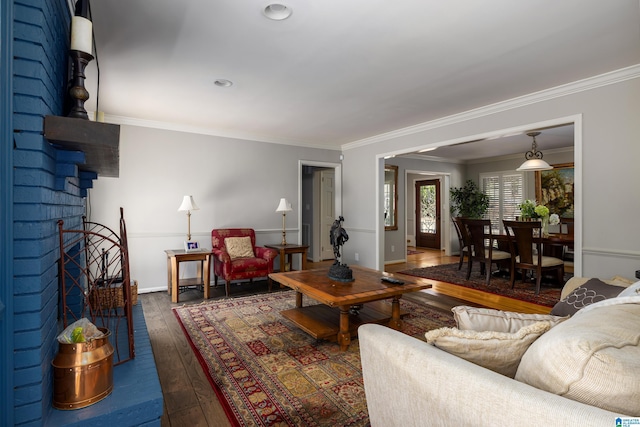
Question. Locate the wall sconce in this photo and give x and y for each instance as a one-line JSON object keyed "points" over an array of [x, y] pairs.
{"points": [[534, 160], [284, 207], [187, 206], [80, 53]]}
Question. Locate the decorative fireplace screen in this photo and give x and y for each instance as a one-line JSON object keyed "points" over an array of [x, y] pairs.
{"points": [[95, 282]]}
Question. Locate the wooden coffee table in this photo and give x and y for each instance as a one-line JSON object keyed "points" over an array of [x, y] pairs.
{"points": [[339, 315]]}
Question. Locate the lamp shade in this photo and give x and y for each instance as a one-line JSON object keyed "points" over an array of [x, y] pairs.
{"points": [[284, 206], [188, 205], [535, 165]]}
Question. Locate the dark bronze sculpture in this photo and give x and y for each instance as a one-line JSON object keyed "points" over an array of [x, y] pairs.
{"points": [[338, 236]]}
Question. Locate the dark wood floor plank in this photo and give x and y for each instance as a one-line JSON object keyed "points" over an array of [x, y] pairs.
{"points": [[189, 398], [192, 417]]}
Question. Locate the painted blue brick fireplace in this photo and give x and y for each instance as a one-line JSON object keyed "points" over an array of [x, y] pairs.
{"points": [[40, 185]]}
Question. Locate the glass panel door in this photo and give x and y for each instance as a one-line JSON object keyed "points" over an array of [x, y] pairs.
{"points": [[428, 213]]}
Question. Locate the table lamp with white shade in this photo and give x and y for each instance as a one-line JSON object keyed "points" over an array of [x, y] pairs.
{"points": [[188, 205], [284, 207]]}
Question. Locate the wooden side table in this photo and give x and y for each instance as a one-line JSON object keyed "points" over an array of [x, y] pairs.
{"points": [[286, 252], [174, 258]]}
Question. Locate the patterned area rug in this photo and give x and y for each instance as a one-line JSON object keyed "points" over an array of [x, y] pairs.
{"points": [[268, 372], [549, 290]]}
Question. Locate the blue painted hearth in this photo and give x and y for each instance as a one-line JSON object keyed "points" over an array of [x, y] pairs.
{"points": [[136, 399]]}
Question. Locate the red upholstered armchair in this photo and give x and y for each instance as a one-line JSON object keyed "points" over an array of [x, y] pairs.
{"points": [[239, 258]]}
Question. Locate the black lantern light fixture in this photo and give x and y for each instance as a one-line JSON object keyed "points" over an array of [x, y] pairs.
{"points": [[80, 53]]}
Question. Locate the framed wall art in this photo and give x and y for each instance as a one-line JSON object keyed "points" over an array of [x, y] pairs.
{"points": [[555, 189]]}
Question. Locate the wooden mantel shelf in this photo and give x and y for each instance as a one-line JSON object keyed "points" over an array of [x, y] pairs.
{"points": [[100, 142]]}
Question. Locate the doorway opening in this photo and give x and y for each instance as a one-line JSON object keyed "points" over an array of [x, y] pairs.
{"points": [[573, 122], [321, 203]]}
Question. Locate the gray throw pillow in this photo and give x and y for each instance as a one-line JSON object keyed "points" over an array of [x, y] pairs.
{"points": [[591, 291]]}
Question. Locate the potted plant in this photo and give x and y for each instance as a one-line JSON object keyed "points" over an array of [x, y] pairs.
{"points": [[468, 201]]}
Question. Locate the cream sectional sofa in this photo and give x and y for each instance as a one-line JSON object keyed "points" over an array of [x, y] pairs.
{"points": [[584, 371]]}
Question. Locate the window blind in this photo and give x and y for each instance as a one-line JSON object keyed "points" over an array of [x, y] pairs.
{"points": [[506, 192]]}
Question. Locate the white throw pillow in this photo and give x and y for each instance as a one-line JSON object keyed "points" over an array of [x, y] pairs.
{"points": [[239, 247], [632, 290], [593, 358], [498, 351], [620, 281], [487, 319], [619, 300]]}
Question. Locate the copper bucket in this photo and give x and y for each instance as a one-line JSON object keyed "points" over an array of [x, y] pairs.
{"points": [[83, 372]]}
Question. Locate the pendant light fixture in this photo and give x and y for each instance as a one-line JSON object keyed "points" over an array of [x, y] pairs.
{"points": [[534, 160]]}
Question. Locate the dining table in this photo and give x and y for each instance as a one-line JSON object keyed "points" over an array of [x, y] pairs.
{"points": [[552, 245]]}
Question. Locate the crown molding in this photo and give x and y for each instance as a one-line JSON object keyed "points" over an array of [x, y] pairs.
{"points": [[589, 83], [418, 156]]}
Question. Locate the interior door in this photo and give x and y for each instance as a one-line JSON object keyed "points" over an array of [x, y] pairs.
{"points": [[327, 211], [428, 213]]}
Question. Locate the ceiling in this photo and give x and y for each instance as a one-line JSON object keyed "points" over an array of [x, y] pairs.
{"points": [[337, 72]]}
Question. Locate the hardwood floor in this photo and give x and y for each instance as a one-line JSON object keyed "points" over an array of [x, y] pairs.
{"points": [[189, 399], [461, 294]]}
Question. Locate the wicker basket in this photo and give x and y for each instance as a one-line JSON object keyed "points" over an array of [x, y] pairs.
{"points": [[112, 296]]}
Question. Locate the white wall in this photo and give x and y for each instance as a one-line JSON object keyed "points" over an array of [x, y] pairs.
{"points": [[235, 183], [606, 161]]}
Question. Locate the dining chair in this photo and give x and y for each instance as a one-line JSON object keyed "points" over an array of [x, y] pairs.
{"points": [[566, 227], [526, 250], [463, 240], [482, 247]]}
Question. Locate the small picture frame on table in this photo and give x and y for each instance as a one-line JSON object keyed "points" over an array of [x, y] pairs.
{"points": [[191, 246]]}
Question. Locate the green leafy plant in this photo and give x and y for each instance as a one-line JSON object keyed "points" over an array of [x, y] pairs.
{"points": [[468, 201]]}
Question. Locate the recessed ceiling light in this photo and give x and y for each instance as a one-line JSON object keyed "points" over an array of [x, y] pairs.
{"points": [[427, 149], [277, 11], [223, 83]]}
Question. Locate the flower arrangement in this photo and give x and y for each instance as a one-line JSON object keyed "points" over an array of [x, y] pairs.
{"points": [[528, 209], [531, 209], [541, 211]]}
